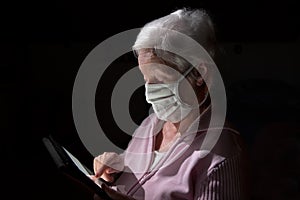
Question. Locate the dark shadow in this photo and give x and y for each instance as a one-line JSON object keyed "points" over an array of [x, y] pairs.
{"points": [[267, 114]]}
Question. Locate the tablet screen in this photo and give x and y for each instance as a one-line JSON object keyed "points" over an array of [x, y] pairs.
{"points": [[71, 166], [77, 163], [81, 167]]}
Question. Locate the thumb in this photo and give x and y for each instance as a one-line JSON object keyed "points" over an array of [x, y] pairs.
{"points": [[111, 170]]}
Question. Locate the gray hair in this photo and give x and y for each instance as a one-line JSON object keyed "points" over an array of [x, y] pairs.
{"points": [[195, 23]]}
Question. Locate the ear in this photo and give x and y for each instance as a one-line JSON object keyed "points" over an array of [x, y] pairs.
{"points": [[202, 72]]}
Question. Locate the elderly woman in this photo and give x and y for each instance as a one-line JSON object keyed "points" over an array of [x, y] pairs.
{"points": [[163, 160]]}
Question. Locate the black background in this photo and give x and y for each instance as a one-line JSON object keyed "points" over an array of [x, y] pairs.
{"points": [[43, 44]]}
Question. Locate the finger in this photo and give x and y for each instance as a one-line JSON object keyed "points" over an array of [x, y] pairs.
{"points": [[95, 165], [98, 166], [92, 177], [100, 171], [107, 177], [111, 170]]}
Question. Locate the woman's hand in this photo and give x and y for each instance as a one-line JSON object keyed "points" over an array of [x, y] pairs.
{"points": [[107, 165], [113, 194]]}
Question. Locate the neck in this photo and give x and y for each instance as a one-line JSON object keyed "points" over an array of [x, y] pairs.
{"points": [[171, 130], [183, 125]]}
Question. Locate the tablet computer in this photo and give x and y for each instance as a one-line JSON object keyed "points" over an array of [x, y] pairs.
{"points": [[69, 165]]}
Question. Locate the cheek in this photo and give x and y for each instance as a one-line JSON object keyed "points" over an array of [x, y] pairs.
{"points": [[188, 92]]}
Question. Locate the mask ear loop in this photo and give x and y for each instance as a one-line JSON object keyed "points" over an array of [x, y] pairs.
{"points": [[186, 73], [181, 78], [177, 85]]}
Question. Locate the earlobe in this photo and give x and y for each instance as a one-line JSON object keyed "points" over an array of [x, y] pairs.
{"points": [[199, 81], [202, 71]]}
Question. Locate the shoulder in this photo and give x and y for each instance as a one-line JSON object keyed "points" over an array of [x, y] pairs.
{"points": [[224, 141], [219, 145], [227, 163], [232, 177]]}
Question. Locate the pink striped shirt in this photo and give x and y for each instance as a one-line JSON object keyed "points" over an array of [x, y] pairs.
{"points": [[185, 171]]}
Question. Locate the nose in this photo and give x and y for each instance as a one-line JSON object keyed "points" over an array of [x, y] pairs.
{"points": [[150, 80], [153, 81]]}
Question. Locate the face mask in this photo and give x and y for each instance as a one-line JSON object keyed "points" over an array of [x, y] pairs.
{"points": [[166, 102]]}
